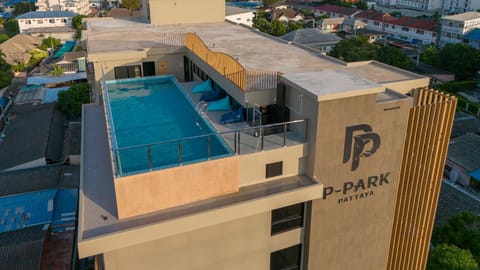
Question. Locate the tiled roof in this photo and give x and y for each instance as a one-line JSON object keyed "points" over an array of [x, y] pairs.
{"points": [[465, 123], [375, 16], [347, 11], [22, 249], [47, 14], [473, 34], [428, 25], [17, 48], [289, 13]]}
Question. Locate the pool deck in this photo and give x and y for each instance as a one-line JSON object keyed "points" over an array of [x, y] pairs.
{"points": [[249, 143]]}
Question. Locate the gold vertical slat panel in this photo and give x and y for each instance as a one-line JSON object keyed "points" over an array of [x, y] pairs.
{"points": [[426, 145]]}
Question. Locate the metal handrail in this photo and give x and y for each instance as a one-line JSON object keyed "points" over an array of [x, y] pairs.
{"points": [[211, 134]]}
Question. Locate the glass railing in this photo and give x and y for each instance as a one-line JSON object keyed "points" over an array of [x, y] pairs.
{"points": [[160, 155]]}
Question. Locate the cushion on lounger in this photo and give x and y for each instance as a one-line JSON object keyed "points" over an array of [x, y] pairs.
{"points": [[205, 86], [220, 105]]}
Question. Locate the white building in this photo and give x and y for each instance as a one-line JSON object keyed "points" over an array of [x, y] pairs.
{"points": [[416, 4], [239, 15], [77, 6], [460, 6], [455, 27], [57, 24]]}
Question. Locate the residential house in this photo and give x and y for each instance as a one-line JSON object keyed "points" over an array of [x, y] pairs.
{"points": [[465, 123], [72, 62], [472, 38], [409, 29], [426, 5], [460, 6], [17, 48], [463, 160], [9, 6], [334, 11], [286, 15], [454, 27], [340, 24], [81, 7], [239, 15], [313, 38], [57, 24]]}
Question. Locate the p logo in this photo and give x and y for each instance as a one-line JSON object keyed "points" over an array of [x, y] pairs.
{"points": [[358, 137]]}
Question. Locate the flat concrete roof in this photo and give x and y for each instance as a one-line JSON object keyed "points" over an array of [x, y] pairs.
{"points": [[463, 16], [333, 84], [253, 49]]}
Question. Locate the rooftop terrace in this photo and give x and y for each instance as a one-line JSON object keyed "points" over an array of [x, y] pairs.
{"points": [[252, 49]]}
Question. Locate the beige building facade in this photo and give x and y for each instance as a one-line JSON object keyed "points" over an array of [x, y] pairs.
{"points": [[315, 176]]}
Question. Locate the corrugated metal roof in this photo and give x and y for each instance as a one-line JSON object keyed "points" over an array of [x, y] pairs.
{"points": [[310, 36], [474, 34], [37, 80], [46, 14], [22, 249]]}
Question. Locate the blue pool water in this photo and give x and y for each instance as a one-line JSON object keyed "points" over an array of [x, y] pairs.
{"points": [[155, 111], [249, 5]]}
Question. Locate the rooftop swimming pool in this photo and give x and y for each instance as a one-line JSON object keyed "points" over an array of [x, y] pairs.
{"points": [[154, 125]]}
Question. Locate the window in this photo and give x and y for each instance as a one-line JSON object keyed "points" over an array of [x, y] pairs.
{"points": [[274, 169], [28, 22], [64, 20], [51, 21], [420, 32], [393, 26], [376, 23], [286, 259], [405, 29], [40, 21], [287, 218], [127, 72]]}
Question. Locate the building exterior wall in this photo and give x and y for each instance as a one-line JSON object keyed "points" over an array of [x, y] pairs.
{"points": [[27, 24], [460, 6], [354, 219], [240, 244], [429, 129], [186, 11], [452, 31], [81, 7]]}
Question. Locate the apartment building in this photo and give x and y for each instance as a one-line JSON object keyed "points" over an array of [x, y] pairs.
{"points": [[33, 20], [460, 6], [454, 27], [311, 161], [81, 7]]}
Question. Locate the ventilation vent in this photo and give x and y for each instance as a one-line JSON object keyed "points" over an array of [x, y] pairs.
{"points": [[274, 169]]}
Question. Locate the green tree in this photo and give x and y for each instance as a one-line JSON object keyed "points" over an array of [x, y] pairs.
{"points": [[5, 71], [11, 27], [362, 5], [56, 71], [430, 56], [278, 28], [3, 38], [50, 42], [36, 56], [463, 231], [355, 49], [460, 59], [450, 257], [23, 7], [131, 4], [395, 57], [78, 25], [70, 101]]}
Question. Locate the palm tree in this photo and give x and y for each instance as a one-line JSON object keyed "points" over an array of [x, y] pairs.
{"points": [[56, 71]]}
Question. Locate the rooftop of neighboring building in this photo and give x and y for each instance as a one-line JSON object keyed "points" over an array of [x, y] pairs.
{"points": [[465, 151], [232, 10], [287, 12], [123, 12], [17, 47], [473, 34], [465, 123], [22, 249], [271, 54], [53, 29], [423, 24], [463, 16], [309, 36], [47, 14], [338, 9], [21, 146], [453, 200], [40, 178], [375, 16]]}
